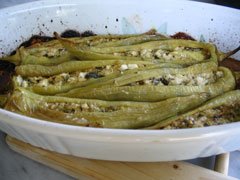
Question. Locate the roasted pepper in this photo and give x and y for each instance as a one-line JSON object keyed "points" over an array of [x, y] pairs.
{"points": [[163, 87], [165, 50], [97, 113], [155, 75], [48, 53], [52, 52], [68, 75], [220, 110]]}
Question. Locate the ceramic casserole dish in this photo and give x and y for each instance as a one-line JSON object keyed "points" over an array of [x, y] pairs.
{"points": [[205, 22]]}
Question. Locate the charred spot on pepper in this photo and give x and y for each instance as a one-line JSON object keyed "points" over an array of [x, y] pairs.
{"points": [[164, 81], [36, 39], [93, 75], [99, 68], [141, 82]]}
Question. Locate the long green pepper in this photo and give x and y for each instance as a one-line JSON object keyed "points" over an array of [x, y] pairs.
{"points": [[97, 113], [92, 73], [219, 110], [52, 53], [184, 52], [154, 93]]}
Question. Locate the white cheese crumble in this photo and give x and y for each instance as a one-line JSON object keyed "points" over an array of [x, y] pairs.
{"points": [[124, 67], [146, 53], [24, 84], [85, 106], [43, 83], [82, 74], [132, 66], [19, 80]]}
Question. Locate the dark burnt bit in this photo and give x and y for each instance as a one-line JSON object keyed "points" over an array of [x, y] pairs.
{"points": [[36, 39], [5, 81], [73, 33], [99, 68], [6, 71], [94, 75], [238, 84], [164, 81], [231, 63], [175, 166], [70, 33], [33, 40], [182, 35], [7, 66], [141, 82], [13, 52], [88, 33]]}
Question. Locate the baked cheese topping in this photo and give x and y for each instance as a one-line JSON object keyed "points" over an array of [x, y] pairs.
{"points": [[49, 52], [216, 116], [75, 77], [179, 79], [79, 107], [178, 53]]}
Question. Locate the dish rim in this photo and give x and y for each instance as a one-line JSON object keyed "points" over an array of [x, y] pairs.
{"points": [[73, 131]]}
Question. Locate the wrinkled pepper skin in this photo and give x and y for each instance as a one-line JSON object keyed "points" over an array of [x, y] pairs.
{"points": [[146, 73], [142, 81], [26, 71], [47, 53], [53, 53], [165, 50], [106, 114], [38, 70], [154, 93], [226, 99]]}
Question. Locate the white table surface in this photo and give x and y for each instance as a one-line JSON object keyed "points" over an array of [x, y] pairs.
{"points": [[14, 166]]}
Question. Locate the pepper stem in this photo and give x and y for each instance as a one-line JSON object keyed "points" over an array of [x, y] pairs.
{"points": [[228, 54]]}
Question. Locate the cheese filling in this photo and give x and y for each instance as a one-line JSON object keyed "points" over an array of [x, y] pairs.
{"points": [[49, 52], [58, 50], [179, 79], [75, 77], [94, 42], [72, 108], [216, 116], [178, 53]]}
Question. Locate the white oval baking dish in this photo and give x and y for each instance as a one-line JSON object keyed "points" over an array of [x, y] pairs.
{"points": [[203, 21]]}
